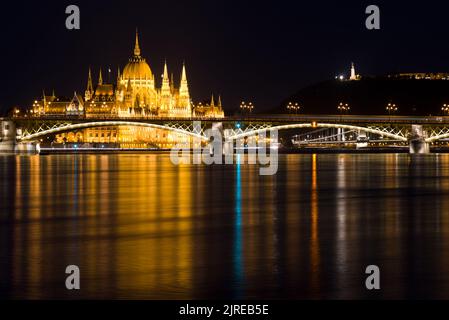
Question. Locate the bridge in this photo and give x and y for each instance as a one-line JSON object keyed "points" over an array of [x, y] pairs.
{"points": [[416, 132]]}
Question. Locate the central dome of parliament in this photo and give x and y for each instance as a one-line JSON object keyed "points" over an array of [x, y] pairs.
{"points": [[137, 67]]}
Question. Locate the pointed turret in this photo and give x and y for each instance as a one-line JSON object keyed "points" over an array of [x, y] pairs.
{"points": [[172, 83], [165, 76], [165, 91], [165, 81], [219, 101], [212, 101], [89, 82], [184, 96], [184, 86], [136, 45], [184, 74], [118, 76], [100, 78], [90, 89]]}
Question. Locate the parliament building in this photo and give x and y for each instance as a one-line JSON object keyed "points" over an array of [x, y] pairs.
{"points": [[134, 95]]}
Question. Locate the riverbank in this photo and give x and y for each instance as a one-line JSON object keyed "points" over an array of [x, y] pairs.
{"points": [[45, 151]]}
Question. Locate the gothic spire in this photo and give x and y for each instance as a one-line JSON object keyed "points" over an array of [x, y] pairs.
{"points": [[183, 75], [100, 78], [184, 86], [118, 76], [136, 46], [172, 82], [184, 95], [165, 81], [165, 76], [89, 81]]}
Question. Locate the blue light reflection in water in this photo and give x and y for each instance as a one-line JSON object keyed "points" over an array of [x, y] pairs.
{"points": [[237, 248]]}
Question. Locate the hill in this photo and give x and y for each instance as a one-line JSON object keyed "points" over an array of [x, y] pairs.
{"points": [[371, 96]]}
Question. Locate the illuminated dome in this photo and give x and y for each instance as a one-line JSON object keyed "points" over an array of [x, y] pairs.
{"points": [[137, 67]]}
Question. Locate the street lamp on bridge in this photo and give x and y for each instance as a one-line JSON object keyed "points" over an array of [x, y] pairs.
{"points": [[293, 107], [445, 109], [391, 108], [246, 106], [343, 108]]}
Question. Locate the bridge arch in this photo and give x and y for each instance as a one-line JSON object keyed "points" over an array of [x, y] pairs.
{"points": [[318, 125], [436, 138], [77, 126]]}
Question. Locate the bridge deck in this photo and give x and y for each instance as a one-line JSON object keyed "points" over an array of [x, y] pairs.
{"points": [[278, 118]]}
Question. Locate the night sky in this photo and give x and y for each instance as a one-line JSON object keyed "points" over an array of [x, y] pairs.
{"points": [[244, 50]]}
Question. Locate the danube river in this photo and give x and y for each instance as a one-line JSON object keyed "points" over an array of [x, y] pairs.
{"points": [[139, 227]]}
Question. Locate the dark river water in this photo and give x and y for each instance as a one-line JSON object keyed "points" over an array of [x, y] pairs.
{"points": [[140, 227]]}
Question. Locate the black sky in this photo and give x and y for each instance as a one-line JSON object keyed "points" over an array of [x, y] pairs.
{"points": [[261, 51]]}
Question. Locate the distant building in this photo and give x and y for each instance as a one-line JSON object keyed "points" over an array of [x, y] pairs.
{"points": [[353, 76], [414, 94], [421, 76], [209, 110]]}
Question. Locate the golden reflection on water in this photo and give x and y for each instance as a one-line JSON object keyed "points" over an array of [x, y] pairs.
{"points": [[342, 221], [314, 242], [134, 215], [140, 227]]}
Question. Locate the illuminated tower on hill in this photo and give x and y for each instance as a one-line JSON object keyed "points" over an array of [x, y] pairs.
{"points": [[353, 74]]}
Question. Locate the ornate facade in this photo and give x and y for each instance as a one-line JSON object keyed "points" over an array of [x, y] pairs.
{"points": [[210, 109], [134, 95]]}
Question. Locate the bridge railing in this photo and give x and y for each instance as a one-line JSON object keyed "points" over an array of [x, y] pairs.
{"points": [[254, 118]]}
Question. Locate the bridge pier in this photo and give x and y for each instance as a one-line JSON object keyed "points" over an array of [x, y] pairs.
{"points": [[362, 140], [28, 147], [419, 147], [341, 134], [417, 141], [7, 136], [228, 145], [8, 140]]}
